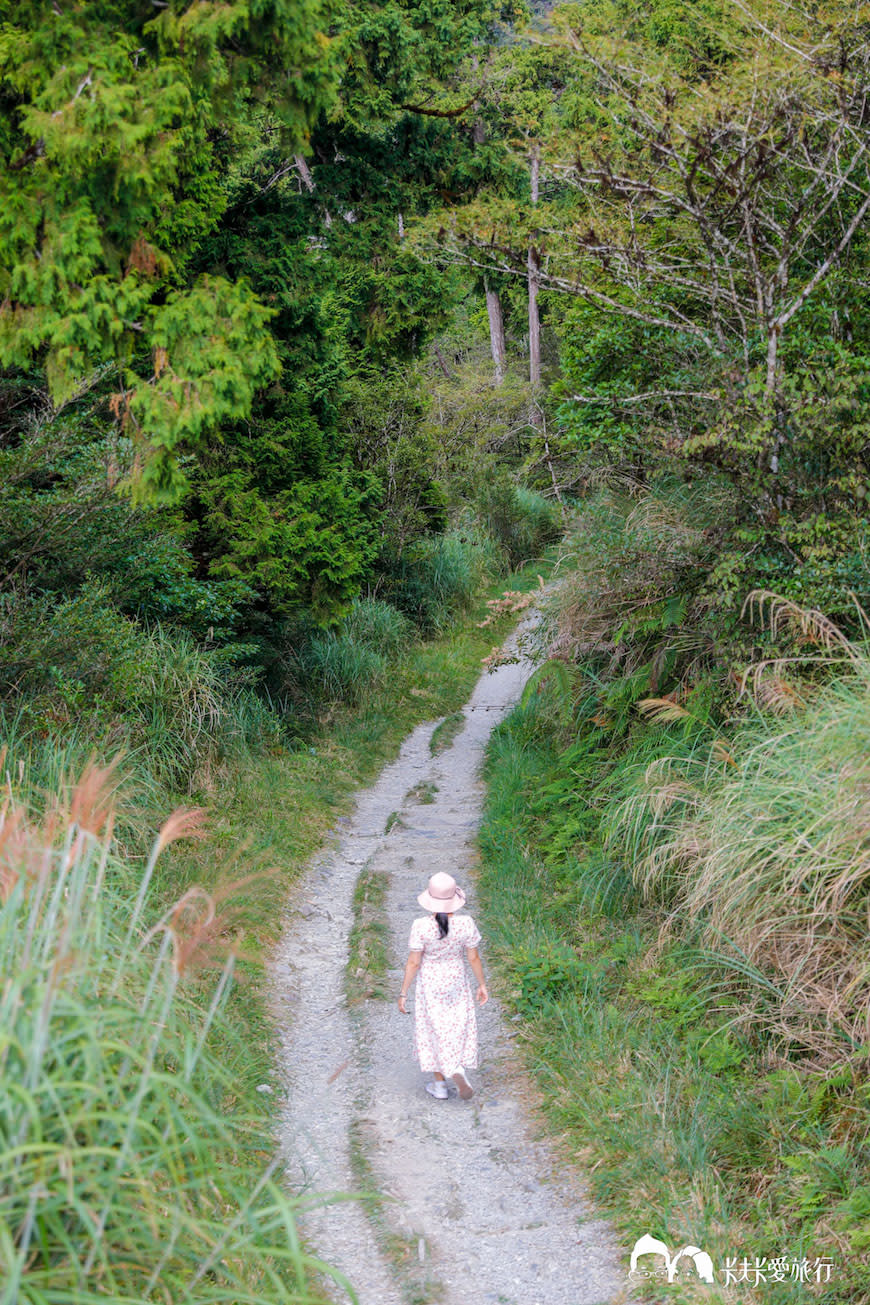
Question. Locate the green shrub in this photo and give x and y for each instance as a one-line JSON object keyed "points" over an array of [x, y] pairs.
{"points": [[335, 667], [377, 625], [77, 651], [437, 577], [78, 668], [153, 581], [521, 520]]}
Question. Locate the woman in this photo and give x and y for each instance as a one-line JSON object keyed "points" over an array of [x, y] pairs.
{"points": [[445, 1027]]}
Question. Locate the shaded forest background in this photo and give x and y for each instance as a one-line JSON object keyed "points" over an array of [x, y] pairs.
{"points": [[317, 319], [254, 271]]}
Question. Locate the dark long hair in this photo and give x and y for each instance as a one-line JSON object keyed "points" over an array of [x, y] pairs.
{"points": [[443, 924]]}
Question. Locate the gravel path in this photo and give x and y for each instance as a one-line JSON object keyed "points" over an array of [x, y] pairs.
{"points": [[474, 1207]]}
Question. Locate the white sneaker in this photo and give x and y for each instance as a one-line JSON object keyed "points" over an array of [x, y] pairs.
{"points": [[438, 1089], [466, 1091]]}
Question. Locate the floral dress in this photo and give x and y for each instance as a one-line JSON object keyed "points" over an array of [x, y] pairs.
{"points": [[445, 1026]]}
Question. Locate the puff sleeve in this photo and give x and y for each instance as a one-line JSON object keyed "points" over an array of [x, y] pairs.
{"points": [[416, 941], [473, 933]]}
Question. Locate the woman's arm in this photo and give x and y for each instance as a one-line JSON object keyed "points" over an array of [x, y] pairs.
{"points": [[477, 965], [412, 965]]}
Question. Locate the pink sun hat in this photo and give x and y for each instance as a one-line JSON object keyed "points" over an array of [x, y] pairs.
{"points": [[442, 893]]}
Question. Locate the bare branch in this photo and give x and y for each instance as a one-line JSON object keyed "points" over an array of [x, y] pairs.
{"points": [[649, 396], [825, 267]]}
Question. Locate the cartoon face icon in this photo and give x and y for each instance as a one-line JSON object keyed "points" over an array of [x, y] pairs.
{"points": [[648, 1245]]}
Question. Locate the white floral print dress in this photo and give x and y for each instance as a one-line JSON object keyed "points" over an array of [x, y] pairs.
{"points": [[445, 1025]]}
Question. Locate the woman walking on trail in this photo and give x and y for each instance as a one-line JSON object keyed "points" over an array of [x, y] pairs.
{"points": [[445, 1026]]}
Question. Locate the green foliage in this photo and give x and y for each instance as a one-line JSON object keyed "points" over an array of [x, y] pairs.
{"points": [[521, 520], [78, 662], [111, 179], [403, 53], [345, 664], [435, 578], [212, 352], [679, 341], [649, 1052], [130, 1128], [543, 973], [312, 542]]}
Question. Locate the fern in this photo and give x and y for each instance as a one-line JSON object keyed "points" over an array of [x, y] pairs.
{"points": [[558, 679]]}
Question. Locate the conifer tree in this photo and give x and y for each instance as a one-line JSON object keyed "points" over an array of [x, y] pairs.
{"points": [[108, 183]]}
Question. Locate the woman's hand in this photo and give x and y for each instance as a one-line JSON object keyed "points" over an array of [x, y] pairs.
{"points": [[412, 965], [482, 994]]}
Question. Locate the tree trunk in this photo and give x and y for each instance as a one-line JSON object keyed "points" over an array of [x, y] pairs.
{"points": [[533, 266], [773, 401], [496, 333], [308, 182], [442, 361], [304, 172], [548, 458], [534, 321]]}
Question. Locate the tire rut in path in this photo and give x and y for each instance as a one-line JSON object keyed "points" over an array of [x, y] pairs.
{"points": [[476, 1208]]}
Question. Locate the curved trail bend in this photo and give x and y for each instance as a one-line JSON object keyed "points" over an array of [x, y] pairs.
{"points": [[476, 1208]]}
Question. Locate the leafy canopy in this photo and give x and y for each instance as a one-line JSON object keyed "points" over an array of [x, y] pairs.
{"points": [[109, 179]]}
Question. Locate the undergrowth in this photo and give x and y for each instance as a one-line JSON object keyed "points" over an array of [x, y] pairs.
{"points": [[667, 1050], [676, 880], [134, 1151]]}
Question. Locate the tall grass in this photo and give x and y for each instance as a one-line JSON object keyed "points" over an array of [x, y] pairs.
{"points": [[521, 521], [77, 668], [344, 665], [689, 1123], [130, 1152], [377, 625], [437, 578], [633, 561], [767, 847]]}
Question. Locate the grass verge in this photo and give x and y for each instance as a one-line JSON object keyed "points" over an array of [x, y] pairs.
{"points": [[444, 733], [688, 1129], [368, 945]]}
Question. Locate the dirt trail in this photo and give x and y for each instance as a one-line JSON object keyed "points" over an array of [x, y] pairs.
{"points": [[476, 1208]]}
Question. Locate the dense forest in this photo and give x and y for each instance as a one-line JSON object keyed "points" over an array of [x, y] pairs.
{"points": [[318, 320]]}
